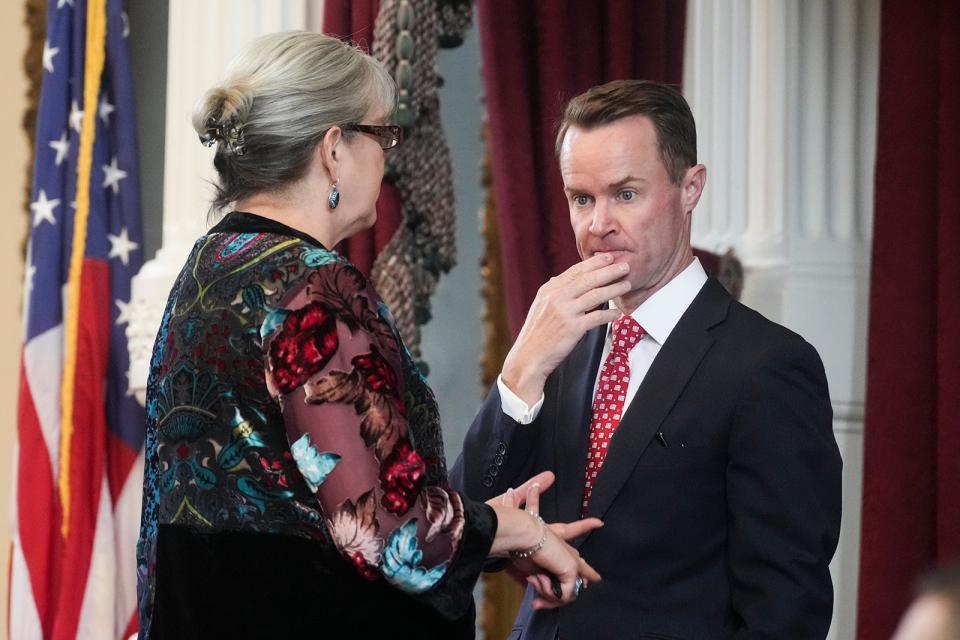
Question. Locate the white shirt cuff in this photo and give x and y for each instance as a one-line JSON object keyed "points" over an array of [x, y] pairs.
{"points": [[515, 408]]}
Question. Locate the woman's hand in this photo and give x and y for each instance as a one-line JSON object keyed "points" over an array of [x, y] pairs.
{"points": [[551, 584], [555, 568], [518, 497]]}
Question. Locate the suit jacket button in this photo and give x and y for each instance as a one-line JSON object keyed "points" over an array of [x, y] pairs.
{"points": [[498, 459], [487, 481], [493, 470], [502, 448]]}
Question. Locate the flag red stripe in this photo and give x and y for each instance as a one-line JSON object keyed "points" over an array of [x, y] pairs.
{"points": [[131, 626], [37, 506], [87, 448]]}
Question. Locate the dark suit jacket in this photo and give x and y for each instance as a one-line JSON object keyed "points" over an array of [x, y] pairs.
{"points": [[724, 531]]}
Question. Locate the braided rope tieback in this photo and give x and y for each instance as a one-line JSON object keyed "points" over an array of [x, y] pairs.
{"points": [[407, 270]]}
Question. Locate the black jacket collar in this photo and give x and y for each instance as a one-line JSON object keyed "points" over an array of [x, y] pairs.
{"points": [[245, 222]]}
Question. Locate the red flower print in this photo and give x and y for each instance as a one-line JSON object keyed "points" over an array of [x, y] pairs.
{"points": [[345, 289], [364, 569], [401, 475], [306, 342], [379, 377], [376, 372]]}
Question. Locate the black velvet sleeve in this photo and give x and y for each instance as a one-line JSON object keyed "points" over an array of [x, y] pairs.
{"points": [[452, 597]]}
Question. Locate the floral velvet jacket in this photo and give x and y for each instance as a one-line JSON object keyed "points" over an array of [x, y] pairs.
{"points": [[282, 400]]}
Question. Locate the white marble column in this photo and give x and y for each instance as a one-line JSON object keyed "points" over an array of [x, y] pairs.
{"points": [[203, 37], [784, 94]]}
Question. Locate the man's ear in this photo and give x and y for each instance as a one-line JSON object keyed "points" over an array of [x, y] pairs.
{"points": [[692, 186], [328, 153]]}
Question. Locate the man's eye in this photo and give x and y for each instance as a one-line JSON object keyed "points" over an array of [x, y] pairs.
{"points": [[581, 201], [627, 195]]}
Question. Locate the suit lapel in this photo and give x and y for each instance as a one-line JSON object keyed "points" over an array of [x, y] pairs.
{"points": [[575, 398], [673, 367]]}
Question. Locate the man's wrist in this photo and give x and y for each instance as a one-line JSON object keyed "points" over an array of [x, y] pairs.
{"points": [[526, 385], [514, 407]]}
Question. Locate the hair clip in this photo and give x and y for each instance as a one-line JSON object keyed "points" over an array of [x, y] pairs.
{"points": [[235, 140], [229, 133], [212, 133]]}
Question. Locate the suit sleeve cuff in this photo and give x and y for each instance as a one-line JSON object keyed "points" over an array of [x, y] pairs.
{"points": [[515, 408]]}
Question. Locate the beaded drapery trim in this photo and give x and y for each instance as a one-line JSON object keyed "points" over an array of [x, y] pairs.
{"points": [[407, 37]]}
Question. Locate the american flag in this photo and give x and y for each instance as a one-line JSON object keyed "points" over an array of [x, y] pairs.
{"points": [[78, 470]]}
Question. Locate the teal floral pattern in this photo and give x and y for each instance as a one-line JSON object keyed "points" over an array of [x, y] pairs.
{"points": [[314, 465], [402, 558]]}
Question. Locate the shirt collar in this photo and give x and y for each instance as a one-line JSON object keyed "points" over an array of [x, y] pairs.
{"points": [[661, 312]]}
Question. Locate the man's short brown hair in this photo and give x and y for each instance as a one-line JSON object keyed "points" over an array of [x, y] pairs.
{"points": [[663, 104]]}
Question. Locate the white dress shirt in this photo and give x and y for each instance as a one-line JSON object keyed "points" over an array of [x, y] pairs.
{"points": [[658, 315]]}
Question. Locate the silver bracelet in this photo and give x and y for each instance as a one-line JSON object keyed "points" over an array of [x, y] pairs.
{"points": [[526, 553]]}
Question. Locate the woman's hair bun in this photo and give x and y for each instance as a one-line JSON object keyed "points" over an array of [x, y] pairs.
{"points": [[220, 115]]}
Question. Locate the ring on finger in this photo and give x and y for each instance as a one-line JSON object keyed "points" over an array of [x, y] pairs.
{"points": [[577, 586]]}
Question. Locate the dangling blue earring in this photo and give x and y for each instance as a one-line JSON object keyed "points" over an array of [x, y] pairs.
{"points": [[334, 198]]}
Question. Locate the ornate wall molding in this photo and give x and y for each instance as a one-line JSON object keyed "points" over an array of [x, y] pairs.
{"points": [[785, 97], [406, 272], [35, 17]]}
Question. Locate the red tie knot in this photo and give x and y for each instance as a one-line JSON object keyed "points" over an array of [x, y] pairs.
{"points": [[626, 333]]}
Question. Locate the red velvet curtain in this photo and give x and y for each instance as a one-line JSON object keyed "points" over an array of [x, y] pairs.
{"points": [[353, 20], [911, 484], [536, 56]]}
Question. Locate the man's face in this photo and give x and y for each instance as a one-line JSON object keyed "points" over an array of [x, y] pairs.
{"points": [[621, 200]]}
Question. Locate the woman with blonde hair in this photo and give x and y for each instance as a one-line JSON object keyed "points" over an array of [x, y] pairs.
{"points": [[295, 480]]}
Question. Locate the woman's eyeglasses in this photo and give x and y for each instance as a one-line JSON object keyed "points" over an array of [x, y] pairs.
{"points": [[387, 135]]}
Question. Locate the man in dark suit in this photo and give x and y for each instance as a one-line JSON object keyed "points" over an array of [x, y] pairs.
{"points": [[699, 431]]}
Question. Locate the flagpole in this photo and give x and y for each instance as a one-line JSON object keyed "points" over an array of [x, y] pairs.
{"points": [[93, 68]]}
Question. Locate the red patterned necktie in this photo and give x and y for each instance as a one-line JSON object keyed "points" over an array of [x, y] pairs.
{"points": [[609, 399]]}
